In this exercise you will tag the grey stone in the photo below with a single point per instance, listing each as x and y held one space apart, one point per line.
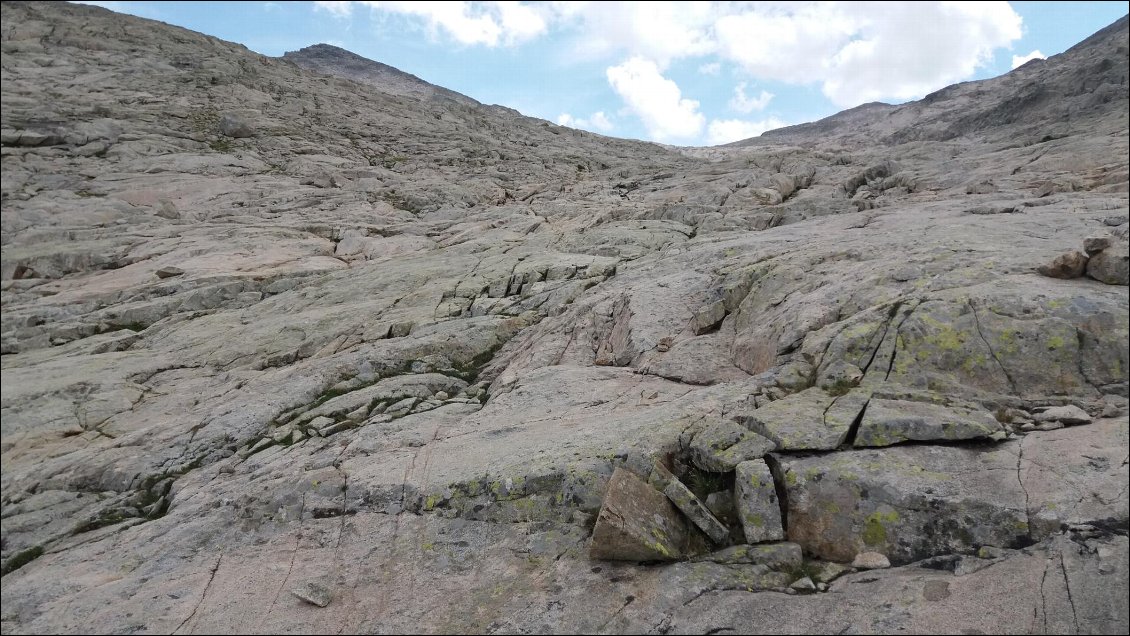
313 592
169 272
1111 266
870 561
887 422
236 125
804 584
722 445
708 317
798 422
1094 244
758 507
1068 414
696 511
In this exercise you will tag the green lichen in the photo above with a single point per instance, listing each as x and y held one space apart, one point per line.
874 532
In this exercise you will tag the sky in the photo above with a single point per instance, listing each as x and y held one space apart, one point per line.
685 73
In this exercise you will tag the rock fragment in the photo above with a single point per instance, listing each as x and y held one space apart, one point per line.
758 507
1067 265
1068 414
313 592
870 561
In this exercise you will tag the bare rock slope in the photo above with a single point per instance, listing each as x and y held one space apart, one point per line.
307 344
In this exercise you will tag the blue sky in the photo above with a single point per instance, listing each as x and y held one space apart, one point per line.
682 73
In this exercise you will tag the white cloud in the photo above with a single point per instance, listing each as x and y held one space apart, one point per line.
1021 60
336 9
742 103
724 131
486 23
598 122
710 68
656 100
856 52
862 52
659 31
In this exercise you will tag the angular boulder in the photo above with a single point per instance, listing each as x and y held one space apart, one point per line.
721 446
637 523
907 502
1111 266
799 422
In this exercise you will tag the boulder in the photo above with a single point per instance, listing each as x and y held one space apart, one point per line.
313 592
1111 266
236 125
691 506
1067 265
723 445
637 523
908 502
870 561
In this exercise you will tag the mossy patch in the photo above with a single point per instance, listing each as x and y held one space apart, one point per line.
20 559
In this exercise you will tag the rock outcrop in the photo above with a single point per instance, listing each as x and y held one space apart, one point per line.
308 344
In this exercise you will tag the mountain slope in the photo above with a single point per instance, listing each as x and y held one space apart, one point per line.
270 330
331 60
1083 89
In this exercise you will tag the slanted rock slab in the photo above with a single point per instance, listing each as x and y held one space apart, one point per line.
758 506
637 523
797 422
696 511
887 422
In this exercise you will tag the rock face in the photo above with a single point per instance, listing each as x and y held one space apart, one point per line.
312 319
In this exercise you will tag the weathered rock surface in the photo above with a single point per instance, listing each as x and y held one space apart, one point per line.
637 523
721 446
913 502
1111 266
758 507
887 422
414 337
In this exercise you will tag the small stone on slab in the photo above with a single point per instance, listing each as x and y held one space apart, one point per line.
313 592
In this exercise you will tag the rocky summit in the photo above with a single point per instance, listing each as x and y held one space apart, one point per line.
306 344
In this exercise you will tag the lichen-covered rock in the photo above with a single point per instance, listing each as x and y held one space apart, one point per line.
886 422
758 507
313 592
783 556
722 445
906 502
797 422
637 523
691 506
